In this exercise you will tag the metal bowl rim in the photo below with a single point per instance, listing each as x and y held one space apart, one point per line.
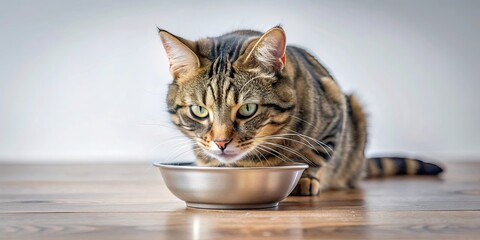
185 166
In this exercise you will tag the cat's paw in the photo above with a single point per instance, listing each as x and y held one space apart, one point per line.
307 186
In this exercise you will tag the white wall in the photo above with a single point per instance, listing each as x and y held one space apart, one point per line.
80 80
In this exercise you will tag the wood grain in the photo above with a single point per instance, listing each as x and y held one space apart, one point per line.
132 202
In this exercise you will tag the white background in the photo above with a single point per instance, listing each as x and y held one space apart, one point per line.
82 80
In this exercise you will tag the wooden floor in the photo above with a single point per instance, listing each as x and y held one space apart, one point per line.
131 202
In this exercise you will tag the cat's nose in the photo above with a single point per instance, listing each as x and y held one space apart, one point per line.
222 144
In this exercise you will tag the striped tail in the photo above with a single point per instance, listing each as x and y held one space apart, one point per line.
394 166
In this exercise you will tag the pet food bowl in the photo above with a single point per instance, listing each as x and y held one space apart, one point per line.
231 187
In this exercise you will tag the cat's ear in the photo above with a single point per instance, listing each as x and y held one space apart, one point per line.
269 49
180 54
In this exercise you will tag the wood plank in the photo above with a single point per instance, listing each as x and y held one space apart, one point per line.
131 201
193 224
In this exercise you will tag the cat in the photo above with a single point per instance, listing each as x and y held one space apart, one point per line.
249 100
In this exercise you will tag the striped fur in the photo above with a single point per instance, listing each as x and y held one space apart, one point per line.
302 113
392 166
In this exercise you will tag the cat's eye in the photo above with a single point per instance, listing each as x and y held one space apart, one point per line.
247 110
198 111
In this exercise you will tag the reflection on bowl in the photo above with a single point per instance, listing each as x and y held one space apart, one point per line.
231 187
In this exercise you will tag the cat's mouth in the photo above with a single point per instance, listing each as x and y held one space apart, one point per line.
225 154
228 157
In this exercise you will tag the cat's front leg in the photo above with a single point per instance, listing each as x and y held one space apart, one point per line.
309 184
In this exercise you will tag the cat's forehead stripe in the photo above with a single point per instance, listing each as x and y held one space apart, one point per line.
228 45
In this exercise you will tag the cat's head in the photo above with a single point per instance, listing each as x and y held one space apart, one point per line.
230 93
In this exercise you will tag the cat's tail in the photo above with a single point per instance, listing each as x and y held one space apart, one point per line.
394 166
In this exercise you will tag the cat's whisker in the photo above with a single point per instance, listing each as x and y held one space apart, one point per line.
255 155
171 126
279 155
270 150
300 135
313 139
262 163
289 139
296 153
199 150
267 151
181 144
181 148
318 142
203 143
156 124
304 137
261 154
306 140
176 138
256 152
180 141
172 159
289 135
259 157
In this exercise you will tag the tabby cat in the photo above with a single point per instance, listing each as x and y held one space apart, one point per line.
248 99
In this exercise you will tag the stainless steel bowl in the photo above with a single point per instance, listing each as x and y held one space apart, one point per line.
231 187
